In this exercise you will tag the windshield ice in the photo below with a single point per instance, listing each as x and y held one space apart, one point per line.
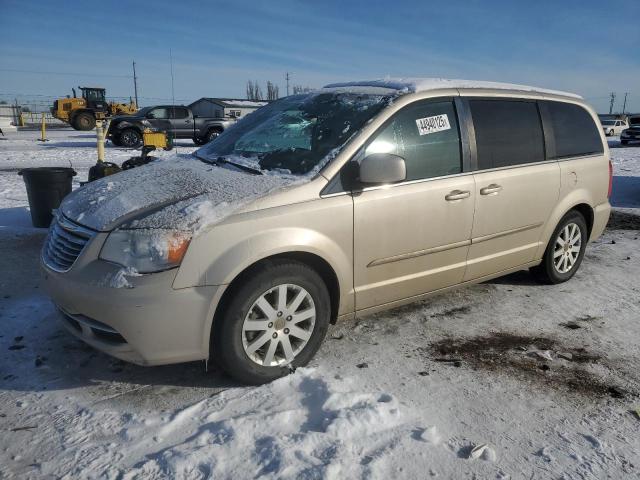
296 134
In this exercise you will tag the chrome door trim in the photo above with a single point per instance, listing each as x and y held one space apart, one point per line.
418 253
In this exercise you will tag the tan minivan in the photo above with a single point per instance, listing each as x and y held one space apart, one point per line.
345 201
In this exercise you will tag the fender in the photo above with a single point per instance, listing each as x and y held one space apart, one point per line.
573 198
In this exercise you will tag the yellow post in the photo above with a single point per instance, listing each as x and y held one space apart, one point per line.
43 130
100 138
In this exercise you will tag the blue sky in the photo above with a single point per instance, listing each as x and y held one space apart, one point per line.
588 47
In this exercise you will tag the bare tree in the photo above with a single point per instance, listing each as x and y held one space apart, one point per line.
298 89
272 91
254 92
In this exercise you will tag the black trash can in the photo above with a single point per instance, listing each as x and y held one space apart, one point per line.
46 187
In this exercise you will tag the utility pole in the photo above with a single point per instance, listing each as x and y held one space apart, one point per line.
287 77
173 97
624 105
613 99
135 84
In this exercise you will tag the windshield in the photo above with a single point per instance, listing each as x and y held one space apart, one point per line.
294 134
635 121
143 111
608 123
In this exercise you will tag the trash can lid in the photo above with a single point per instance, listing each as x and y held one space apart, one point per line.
48 171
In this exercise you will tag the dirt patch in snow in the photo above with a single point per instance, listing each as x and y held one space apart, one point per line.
536 359
621 220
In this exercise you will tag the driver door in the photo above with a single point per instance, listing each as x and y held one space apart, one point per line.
413 237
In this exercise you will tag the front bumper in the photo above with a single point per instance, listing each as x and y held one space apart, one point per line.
150 323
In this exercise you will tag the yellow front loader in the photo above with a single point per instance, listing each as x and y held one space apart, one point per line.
81 112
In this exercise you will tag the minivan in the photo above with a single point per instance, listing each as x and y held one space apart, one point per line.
342 202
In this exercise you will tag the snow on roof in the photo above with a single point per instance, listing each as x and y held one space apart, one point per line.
233 102
411 85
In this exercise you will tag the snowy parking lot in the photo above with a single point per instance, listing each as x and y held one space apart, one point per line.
507 379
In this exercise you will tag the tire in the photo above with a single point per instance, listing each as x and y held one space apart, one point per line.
130 138
624 142
212 135
242 352
199 140
84 121
560 263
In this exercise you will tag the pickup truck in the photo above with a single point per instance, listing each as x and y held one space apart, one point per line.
126 130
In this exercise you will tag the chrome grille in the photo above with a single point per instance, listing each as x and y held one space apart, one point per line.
64 243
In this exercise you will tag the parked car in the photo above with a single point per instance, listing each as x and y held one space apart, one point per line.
126 130
324 206
613 127
631 134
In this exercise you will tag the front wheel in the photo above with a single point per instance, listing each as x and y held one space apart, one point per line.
275 321
565 250
199 140
84 121
130 138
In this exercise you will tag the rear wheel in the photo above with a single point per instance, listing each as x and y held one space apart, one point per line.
130 138
275 320
115 139
213 134
84 121
565 250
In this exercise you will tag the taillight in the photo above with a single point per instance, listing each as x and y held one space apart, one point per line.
610 179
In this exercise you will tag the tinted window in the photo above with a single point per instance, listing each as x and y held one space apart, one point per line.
574 130
179 112
426 136
508 132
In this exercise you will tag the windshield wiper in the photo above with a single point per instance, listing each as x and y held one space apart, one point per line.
246 168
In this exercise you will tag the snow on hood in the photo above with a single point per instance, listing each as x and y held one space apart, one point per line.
411 85
173 193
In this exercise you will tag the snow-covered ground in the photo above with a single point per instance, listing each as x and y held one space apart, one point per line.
507 379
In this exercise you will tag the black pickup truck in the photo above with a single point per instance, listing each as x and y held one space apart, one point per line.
126 130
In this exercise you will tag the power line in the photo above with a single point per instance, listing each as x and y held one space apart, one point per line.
37 72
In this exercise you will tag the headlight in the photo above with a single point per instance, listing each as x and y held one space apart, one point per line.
146 250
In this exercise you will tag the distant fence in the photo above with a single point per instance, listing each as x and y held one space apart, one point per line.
35 118
15 115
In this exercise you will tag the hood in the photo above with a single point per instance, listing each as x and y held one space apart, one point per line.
174 193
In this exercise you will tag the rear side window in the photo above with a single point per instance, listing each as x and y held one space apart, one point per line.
426 135
178 112
574 130
508 132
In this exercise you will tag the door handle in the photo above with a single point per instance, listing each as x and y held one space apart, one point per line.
491 189
457 195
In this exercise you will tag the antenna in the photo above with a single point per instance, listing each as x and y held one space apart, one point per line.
287 77
135 84
173 97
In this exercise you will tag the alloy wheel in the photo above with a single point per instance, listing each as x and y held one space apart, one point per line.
278 325
567 248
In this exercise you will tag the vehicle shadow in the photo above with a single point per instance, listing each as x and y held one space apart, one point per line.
625 192
520 278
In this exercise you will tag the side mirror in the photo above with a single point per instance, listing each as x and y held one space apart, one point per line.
382 168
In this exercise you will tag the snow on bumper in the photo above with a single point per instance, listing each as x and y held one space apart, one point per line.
148 324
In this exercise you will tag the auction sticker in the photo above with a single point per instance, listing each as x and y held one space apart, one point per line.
433 124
